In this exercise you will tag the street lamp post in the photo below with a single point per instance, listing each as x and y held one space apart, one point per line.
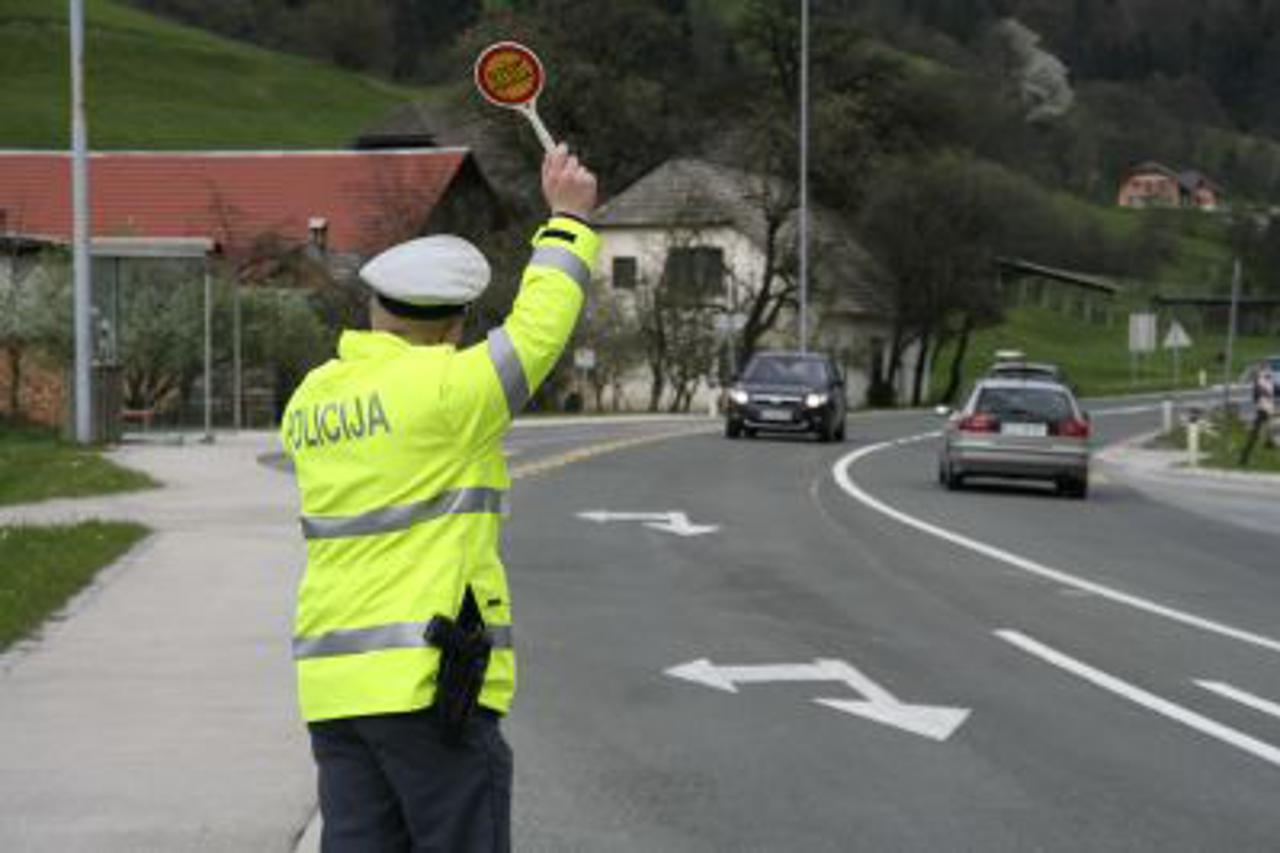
80 227
803 236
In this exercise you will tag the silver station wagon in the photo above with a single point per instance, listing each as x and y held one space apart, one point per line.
1020 429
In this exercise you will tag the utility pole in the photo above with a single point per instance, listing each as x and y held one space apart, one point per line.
804 176
80 229
1231 345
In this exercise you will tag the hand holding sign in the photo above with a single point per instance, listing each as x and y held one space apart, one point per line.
567 185
510 75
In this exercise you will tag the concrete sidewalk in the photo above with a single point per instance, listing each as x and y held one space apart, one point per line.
1244 499
161 717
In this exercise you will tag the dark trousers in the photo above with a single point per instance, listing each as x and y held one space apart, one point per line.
1261 425
390 783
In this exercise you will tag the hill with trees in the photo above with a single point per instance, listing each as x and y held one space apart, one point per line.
1017 118
153 84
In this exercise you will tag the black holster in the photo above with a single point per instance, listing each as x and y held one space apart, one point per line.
464 655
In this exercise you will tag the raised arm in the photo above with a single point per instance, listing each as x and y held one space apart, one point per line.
522 351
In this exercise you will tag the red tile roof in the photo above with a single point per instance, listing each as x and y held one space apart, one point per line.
369 198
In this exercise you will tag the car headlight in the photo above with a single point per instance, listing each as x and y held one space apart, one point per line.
813 401
739 396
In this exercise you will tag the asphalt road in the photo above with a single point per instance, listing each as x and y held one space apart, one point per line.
1074 634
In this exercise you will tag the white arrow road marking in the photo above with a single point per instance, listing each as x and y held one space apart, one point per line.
1257 703
932 721
669 522
1212 728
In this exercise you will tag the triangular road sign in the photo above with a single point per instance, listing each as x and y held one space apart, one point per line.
1176 337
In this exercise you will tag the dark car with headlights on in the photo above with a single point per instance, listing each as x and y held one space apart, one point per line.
788 392
1017 428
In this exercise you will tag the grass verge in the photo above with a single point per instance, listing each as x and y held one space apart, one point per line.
1096 357
42 567
35 466
1225 455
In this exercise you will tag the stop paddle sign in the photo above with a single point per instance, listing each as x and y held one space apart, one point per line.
510 75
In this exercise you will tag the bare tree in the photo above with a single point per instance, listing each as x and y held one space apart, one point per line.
611 329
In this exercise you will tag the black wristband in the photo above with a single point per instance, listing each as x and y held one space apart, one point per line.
575 217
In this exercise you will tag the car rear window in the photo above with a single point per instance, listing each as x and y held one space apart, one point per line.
1026 370
786 371
1028 404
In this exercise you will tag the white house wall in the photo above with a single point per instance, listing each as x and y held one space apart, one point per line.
846 338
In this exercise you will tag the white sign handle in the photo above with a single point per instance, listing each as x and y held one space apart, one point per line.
530 111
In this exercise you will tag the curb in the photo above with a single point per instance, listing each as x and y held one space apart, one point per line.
1170 468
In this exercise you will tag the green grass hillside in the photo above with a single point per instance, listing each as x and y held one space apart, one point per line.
156 85
1096 357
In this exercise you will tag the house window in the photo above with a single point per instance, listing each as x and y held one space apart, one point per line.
624 273
696 273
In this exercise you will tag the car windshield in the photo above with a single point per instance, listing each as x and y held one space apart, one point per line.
786 370
1037 404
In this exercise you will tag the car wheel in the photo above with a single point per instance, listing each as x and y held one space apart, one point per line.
840 430
749 432
1074 487
732 430
952 480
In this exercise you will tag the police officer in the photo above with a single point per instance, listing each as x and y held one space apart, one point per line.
397 445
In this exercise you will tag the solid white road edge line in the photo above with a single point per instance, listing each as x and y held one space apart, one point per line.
1235 694
1203 724
840 470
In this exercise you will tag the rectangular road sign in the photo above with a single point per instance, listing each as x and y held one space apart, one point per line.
1142 332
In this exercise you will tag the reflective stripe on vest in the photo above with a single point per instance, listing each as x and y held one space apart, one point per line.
398 635
565 261
477 499
510 371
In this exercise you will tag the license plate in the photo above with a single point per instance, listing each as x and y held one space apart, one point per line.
775 415
1028 430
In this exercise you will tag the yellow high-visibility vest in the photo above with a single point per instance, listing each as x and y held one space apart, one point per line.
403 483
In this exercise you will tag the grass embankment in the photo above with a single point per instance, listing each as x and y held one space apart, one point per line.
1217 453
152 84
42 567
35 466
1096 357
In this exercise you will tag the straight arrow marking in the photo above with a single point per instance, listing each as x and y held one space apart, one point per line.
672 521
1257 703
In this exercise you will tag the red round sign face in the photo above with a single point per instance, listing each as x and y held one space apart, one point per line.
509 74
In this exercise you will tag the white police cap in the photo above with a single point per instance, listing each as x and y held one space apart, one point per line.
436 271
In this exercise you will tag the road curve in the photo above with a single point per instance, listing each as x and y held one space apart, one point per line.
1093 724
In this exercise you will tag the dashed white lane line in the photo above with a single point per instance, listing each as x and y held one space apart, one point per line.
1235 694
841 471
1199 722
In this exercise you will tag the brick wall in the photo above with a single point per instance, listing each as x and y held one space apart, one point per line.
42 393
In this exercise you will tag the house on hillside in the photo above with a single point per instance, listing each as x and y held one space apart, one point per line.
251 214
705 230
1153 184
